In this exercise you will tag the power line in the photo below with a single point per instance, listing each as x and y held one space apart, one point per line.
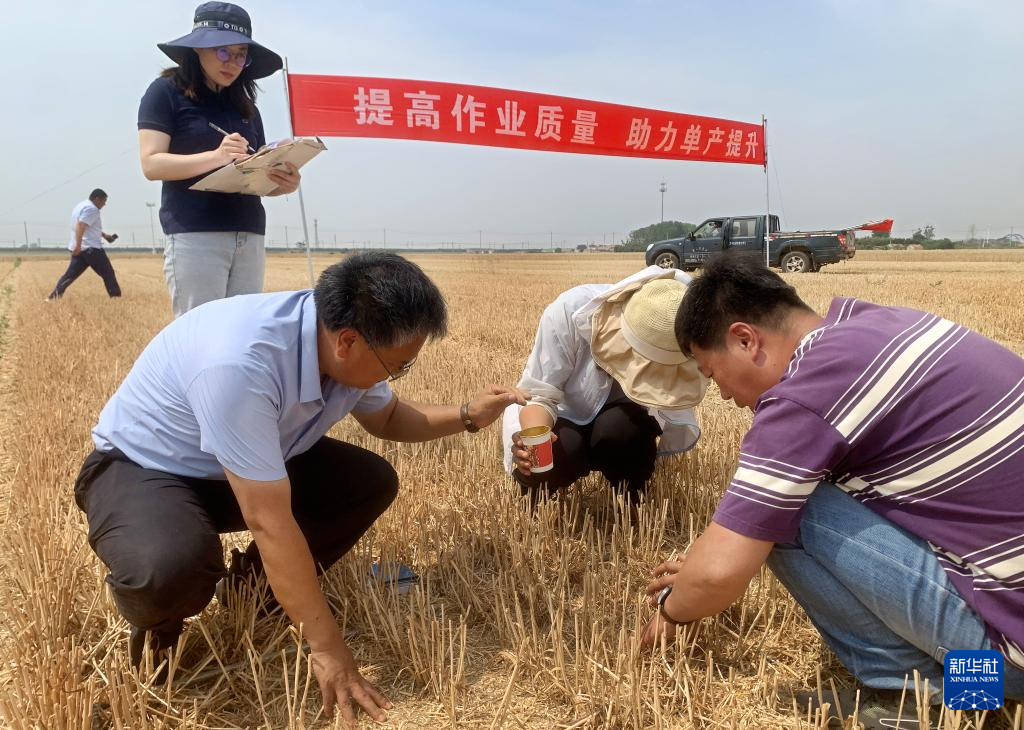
69 180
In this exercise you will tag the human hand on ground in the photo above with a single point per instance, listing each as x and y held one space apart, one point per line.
656 630
342 686
664 576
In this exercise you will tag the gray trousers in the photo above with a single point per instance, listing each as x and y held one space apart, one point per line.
204 266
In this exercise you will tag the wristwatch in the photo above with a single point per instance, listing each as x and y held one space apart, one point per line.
662 597
466 420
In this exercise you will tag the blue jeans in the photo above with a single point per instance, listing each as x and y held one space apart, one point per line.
878 595
204 266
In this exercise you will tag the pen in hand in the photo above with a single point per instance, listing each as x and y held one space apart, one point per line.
215 128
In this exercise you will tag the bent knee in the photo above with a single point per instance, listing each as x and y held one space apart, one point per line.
383 475
158 582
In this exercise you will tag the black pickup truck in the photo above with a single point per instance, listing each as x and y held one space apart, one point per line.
794 252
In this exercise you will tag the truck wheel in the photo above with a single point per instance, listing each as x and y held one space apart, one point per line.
796 262
667 260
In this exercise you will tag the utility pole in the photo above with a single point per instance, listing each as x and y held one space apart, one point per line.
152 228
662 188
25 223
480 239
316 232
286 238
385 238
551 239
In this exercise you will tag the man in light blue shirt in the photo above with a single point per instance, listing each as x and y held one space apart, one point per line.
86 246
220 426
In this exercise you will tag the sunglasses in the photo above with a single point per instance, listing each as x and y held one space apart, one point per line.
242 59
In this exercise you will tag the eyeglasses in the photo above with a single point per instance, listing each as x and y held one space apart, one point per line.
242 59
402 371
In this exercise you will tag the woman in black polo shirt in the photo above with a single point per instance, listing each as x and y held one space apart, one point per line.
214 240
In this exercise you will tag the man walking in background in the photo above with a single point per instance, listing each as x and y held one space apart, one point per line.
86 246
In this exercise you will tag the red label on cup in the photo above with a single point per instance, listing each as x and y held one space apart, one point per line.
541 455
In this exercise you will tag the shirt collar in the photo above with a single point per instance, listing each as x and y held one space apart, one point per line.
831 317
836 310
309 361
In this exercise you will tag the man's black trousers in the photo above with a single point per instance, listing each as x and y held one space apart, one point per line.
158 533
98 261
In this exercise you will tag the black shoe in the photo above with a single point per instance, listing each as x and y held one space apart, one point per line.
245 580
160 644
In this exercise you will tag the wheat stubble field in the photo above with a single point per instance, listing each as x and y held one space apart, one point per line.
520 621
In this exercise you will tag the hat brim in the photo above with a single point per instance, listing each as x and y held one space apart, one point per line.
264 61
649 383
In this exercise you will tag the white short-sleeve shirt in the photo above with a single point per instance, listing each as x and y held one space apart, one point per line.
86 212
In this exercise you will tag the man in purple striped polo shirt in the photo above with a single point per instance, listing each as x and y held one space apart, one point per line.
882 479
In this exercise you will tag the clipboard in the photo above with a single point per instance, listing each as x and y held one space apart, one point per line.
249 176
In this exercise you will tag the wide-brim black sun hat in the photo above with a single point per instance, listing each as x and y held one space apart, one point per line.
223 24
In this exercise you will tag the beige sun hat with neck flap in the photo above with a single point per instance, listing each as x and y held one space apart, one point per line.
633 340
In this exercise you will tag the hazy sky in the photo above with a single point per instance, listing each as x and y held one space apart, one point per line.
901 108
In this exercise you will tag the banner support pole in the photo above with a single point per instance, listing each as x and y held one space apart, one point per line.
767 198
764 134
302 202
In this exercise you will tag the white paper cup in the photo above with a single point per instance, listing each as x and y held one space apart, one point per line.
537 441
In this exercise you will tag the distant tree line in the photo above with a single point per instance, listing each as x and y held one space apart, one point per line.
925 237
640 238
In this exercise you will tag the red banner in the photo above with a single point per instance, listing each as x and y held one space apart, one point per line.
432 111
884 225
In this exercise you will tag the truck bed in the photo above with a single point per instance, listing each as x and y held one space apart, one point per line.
807 234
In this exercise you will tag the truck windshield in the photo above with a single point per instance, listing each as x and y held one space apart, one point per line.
711 229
